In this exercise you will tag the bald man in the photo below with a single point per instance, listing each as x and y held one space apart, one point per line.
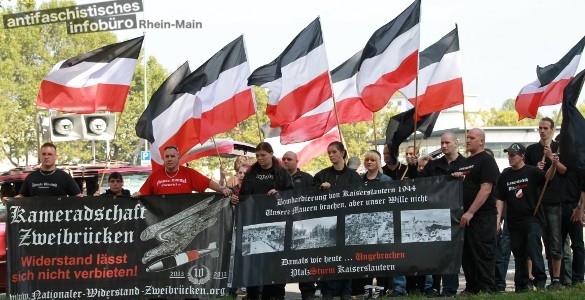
300 179
480 174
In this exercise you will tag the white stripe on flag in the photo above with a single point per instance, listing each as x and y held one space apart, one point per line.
386 62
118 71
297 74
229 83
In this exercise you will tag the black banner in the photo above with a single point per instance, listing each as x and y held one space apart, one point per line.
408 227
172 246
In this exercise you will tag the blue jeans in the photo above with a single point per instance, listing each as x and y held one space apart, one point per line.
526 244
575 231
399 284
502 257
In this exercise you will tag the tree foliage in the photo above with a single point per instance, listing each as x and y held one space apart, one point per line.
506 116
27 54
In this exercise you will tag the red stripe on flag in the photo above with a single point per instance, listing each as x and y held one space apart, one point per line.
300 100
223 116
352 110
316 147
554 92
84 100
527 105
439 97
185 138
376 95
307 128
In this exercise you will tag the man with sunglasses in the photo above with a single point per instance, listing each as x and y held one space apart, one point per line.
176 179
48 180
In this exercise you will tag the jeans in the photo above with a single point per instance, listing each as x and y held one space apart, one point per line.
567 263
502 257
399 284
525 242
575 231
552 233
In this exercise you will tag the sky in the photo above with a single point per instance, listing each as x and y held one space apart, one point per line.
501 41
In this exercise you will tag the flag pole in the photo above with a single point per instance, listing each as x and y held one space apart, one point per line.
415 112
464 124
258 126
337 119
108 156
217 149
374 122
145 87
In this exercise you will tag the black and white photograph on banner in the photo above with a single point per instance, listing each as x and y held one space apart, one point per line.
431 225
263 238
314 233
369 228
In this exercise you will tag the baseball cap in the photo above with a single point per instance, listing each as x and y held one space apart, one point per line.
516 148
353 163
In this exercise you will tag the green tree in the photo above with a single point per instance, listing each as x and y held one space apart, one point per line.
506 116
26 56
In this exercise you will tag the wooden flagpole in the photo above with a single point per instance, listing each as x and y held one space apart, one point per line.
258 126
337 120
374 122
415 113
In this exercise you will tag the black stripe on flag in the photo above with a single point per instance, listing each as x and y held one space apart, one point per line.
434 53
572 145
160 101
547 74
401 126
106 54
229 57
386 34
347 69
307 40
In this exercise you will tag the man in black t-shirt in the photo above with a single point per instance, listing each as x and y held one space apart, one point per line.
517 187
48 180
541 155
480 173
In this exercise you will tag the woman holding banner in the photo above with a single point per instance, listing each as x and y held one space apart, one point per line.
336 175
266 176
373 164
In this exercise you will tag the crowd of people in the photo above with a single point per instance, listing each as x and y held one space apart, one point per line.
536 201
